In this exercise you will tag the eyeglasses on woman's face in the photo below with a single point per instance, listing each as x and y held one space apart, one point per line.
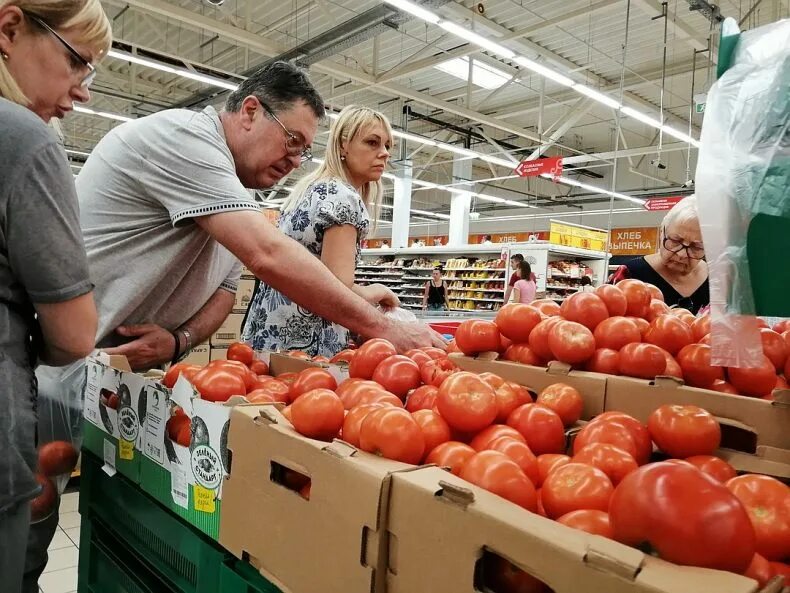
676 245
79 64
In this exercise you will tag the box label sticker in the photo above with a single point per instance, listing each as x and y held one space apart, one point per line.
109 458
206 467
204 499
128 424
126 450
156 423
179 487
92 387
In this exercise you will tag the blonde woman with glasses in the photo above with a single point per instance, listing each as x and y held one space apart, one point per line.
329 212
48 49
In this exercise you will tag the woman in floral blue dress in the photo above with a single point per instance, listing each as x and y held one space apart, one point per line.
327 212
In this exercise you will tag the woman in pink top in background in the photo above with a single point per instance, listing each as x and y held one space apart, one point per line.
524 290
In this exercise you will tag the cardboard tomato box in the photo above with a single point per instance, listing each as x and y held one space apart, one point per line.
333 542
440 527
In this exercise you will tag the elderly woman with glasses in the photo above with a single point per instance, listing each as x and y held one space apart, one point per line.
47 311
678 269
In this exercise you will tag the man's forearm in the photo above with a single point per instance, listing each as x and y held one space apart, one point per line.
210 316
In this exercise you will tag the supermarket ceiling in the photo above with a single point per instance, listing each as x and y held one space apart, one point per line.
580 79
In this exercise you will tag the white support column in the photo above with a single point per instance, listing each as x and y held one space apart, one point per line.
460 205
402 206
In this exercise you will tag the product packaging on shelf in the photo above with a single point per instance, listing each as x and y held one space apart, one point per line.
441 528
229 332
243 295
333 542
199 355
116 406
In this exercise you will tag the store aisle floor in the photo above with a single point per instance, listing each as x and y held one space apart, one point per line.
60 575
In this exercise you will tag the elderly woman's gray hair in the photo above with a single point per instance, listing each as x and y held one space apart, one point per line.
682 212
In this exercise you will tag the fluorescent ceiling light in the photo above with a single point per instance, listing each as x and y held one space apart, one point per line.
185 72
415 9
88 111
477 39
483 75
680 135
643 117
600 97
76 152
434 214
543 71
414 138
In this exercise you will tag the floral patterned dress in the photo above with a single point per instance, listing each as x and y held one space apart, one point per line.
273 321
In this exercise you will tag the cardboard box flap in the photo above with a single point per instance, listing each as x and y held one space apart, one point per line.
668 381
455 493
340 449
767 460
559 368
781 398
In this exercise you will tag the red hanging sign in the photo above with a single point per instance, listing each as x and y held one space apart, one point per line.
657 204
549 166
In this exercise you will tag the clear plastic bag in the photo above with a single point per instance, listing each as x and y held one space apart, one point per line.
400 314
743 191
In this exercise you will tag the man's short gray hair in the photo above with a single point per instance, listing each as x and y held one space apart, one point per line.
682 212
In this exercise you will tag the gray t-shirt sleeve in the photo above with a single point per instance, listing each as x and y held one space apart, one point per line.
188 168
231 283
45 247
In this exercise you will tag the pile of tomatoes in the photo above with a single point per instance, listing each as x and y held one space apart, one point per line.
625 329
55 458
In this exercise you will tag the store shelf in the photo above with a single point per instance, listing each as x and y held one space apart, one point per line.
457 298
374 267
476 290
478 279
556 287
426 278
474 269
410 296
398 274
378 280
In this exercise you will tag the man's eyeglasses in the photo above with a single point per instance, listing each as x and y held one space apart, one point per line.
293 145
77 61
675 246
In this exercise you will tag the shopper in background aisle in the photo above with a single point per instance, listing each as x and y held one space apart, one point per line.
47 52
329 213
678 269
526 287
515 260
435 296
586 284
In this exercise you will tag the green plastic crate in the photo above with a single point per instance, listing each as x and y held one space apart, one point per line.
94 439
239 577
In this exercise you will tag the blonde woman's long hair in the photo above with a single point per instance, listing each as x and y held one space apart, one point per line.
351 121
85 18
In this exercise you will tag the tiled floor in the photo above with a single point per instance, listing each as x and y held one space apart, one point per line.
60 576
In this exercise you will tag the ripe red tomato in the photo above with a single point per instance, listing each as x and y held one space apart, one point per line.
172 374
644 361
422 398
637 295
418 356
451 454
713 466
539 338
767 501
571 342
519 452
634 439
259 367
614 298
522 353
485 437
241 369
517 320
345 356
655 292
669 333
782 326
573 487
760 570
351 390
673 368
467 402
241 352
435 371
498 473
380 397
287 378
604 360
540 426
701 327
392 433
477 335
435 430
261 396
782 569
502 576
642 324
781 383
775 348
493 380
586 308
613 461
318 414
547 307
684 431
563 399
300 354
353 422
589 520
657 309
723 387
694 360
56 458
616 332
398 374
510 396
43 504
684 315
368 357
687 517
434 352
755 382
175 424
218 384
310 379
547 463
184 436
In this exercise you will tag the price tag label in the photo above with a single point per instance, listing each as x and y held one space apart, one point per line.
109 458
204 499
179 488
127 450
